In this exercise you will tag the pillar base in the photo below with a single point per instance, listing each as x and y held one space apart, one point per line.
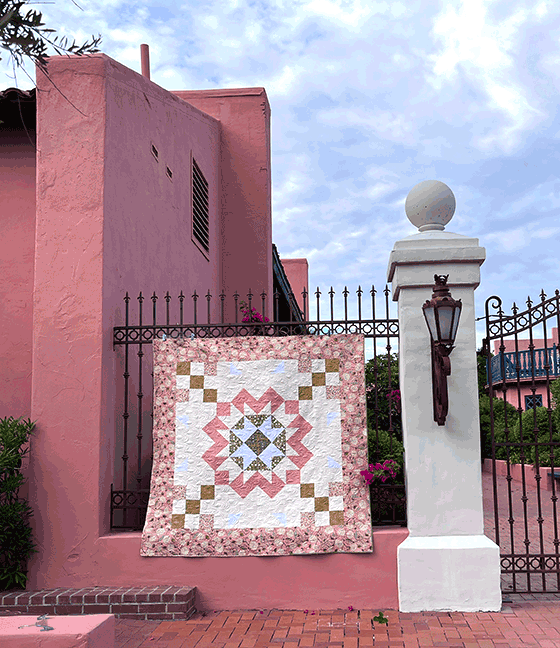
449 574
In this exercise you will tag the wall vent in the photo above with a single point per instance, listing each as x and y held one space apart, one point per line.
169 173
155 152
200 207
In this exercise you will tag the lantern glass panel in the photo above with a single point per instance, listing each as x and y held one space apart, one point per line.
431 321
456 322
445 315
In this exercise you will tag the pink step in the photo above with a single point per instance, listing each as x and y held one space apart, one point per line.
80 631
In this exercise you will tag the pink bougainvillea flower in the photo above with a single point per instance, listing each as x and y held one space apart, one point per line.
380 471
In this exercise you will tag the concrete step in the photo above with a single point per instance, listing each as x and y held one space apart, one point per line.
91 631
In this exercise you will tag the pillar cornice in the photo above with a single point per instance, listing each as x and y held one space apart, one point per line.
413 259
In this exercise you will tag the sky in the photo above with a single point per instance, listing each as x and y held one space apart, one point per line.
368 99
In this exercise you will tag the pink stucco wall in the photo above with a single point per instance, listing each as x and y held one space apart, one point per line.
522 473
330 581
17 253
108 219
518 400
244 114
297 271
523 344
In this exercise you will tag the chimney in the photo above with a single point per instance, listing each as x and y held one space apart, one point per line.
145 60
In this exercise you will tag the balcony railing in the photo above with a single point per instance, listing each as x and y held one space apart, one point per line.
528 362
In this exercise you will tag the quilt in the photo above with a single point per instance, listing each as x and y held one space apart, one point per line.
258 445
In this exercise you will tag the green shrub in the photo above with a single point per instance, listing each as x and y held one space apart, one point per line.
500 408
382 513
378 389
539 418
16 545
383 398
555 398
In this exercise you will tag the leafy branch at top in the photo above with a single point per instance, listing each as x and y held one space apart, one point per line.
22 35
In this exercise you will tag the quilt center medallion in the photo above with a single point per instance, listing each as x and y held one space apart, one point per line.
252 452
257 442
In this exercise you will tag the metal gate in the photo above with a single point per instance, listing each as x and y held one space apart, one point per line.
523 371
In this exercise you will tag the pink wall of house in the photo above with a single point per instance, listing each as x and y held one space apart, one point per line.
109 219
17 253
518 400
244 114
523 345
297 271
328 581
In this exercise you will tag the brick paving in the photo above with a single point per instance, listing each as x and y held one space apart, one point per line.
525 621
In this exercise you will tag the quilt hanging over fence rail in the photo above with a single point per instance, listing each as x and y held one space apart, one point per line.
258 447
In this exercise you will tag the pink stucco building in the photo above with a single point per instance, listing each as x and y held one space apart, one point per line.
107 193
109 183
532 367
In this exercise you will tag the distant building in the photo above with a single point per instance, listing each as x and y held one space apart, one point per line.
532 366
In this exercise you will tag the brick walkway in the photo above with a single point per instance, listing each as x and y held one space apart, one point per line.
541 537
525 621
520 624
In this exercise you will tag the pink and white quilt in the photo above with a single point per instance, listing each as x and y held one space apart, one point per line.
258 446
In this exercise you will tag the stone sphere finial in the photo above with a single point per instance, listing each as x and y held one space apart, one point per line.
430 205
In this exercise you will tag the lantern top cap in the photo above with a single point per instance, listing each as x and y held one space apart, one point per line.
441 289
430 205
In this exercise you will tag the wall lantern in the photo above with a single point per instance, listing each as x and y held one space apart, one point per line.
442 314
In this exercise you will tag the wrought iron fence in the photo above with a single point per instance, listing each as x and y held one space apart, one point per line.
388 501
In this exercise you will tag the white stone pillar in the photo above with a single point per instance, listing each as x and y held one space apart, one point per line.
446 563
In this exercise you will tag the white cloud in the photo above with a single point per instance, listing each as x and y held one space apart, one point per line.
284 83
350 15
387 125
512 240
210 22
485 52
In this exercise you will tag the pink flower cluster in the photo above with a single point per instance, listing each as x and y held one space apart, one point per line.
394 395
251 315
394 398
380 470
